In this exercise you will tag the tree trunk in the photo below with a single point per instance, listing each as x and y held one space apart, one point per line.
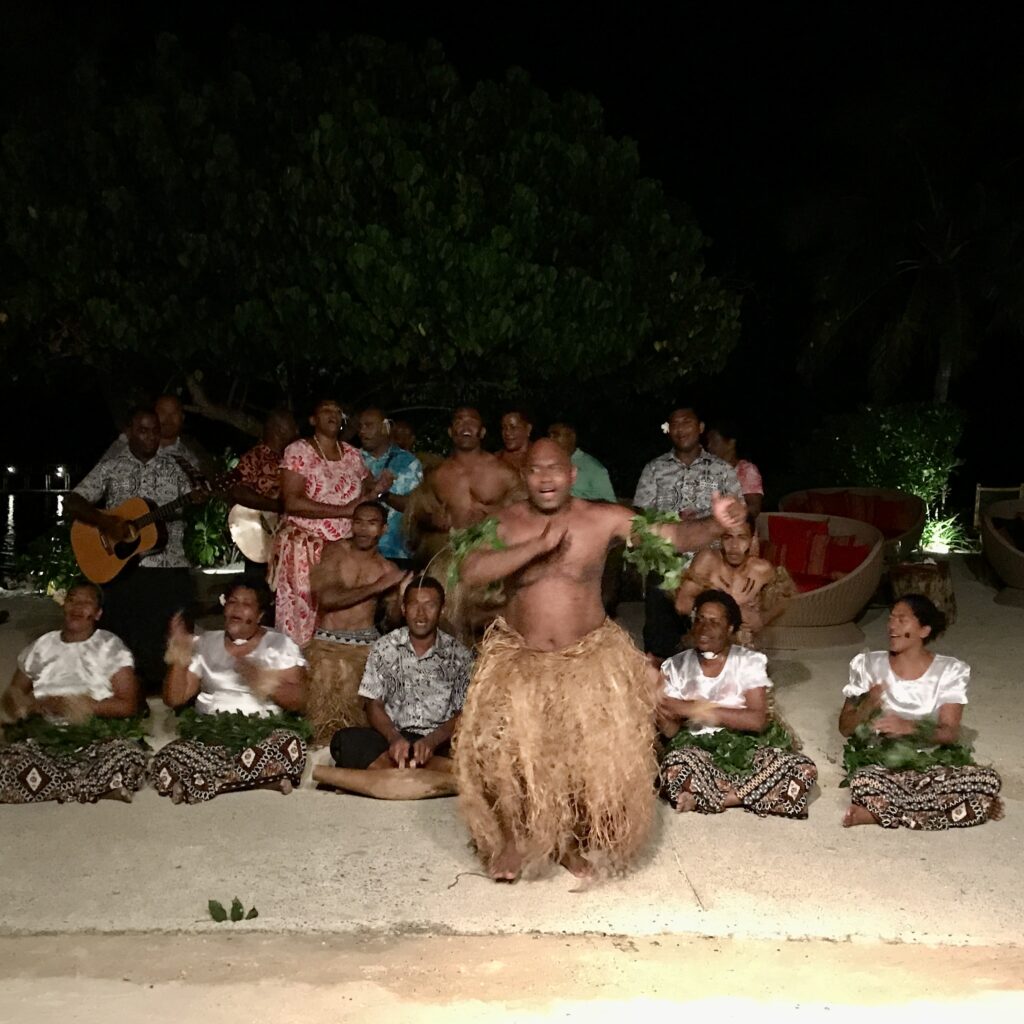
202 405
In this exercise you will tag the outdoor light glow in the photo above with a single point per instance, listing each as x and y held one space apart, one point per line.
60 471
11 469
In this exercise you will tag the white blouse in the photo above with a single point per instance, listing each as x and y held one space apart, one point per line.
744 670
944 682
82 667
222 687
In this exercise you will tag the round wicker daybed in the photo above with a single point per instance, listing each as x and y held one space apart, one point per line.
1005 559
824 616
898 515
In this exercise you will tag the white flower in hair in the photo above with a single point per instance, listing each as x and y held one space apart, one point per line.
664 427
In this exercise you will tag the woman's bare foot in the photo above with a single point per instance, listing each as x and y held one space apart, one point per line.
685 802
507 865
285 785
177 793
576 864
857 815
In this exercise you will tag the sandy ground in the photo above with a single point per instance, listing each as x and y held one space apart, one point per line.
523 978
344 885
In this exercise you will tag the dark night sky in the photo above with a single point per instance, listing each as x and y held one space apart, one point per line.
741 109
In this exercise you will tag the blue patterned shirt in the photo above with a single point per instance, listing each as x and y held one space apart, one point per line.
408 476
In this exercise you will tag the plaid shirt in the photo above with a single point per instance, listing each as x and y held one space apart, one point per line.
672 486
419 694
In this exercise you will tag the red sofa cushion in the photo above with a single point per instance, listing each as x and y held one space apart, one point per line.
862 507
841 559
793 539
829 503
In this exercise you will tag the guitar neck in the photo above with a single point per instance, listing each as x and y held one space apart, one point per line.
164 512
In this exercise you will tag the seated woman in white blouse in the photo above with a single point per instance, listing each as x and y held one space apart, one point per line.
73 675
719 686
245 671
895 692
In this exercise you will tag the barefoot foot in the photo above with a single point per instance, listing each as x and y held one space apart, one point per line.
576 864
685 802
857 815
507 865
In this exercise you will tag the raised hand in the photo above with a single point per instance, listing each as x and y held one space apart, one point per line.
729 512
385 480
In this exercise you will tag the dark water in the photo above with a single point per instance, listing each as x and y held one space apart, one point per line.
26 517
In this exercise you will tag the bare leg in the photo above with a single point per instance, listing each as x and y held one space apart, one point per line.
389 783
857 815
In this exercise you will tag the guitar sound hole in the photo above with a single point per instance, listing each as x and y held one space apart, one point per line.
126 548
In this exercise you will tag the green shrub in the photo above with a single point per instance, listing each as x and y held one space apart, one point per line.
907 447
47 565
207 541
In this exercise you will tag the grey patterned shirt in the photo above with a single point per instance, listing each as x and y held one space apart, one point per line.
419 694
118 477
672 486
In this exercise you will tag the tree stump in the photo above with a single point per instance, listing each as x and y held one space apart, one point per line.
932 579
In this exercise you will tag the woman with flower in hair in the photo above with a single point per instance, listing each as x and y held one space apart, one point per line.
905 764
248 682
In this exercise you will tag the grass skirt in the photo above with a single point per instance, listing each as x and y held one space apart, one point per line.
555 749
332 695
201 771
31 773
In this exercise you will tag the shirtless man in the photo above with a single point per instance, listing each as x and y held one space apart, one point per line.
535 785
348 583
756 585
470 484
516 428
468 487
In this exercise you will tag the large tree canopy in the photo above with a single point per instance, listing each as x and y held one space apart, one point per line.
350 212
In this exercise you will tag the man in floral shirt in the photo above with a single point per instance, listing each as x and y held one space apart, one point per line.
379 454
682 481
140 601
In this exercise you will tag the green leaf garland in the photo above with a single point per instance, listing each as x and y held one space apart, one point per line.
917 752
649 552
732 751
463 542
67 739
235 730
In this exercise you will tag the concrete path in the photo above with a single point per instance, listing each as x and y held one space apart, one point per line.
323 862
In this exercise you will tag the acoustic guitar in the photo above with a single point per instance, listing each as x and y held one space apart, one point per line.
101 559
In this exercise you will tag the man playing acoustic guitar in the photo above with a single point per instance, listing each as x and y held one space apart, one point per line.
140 601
